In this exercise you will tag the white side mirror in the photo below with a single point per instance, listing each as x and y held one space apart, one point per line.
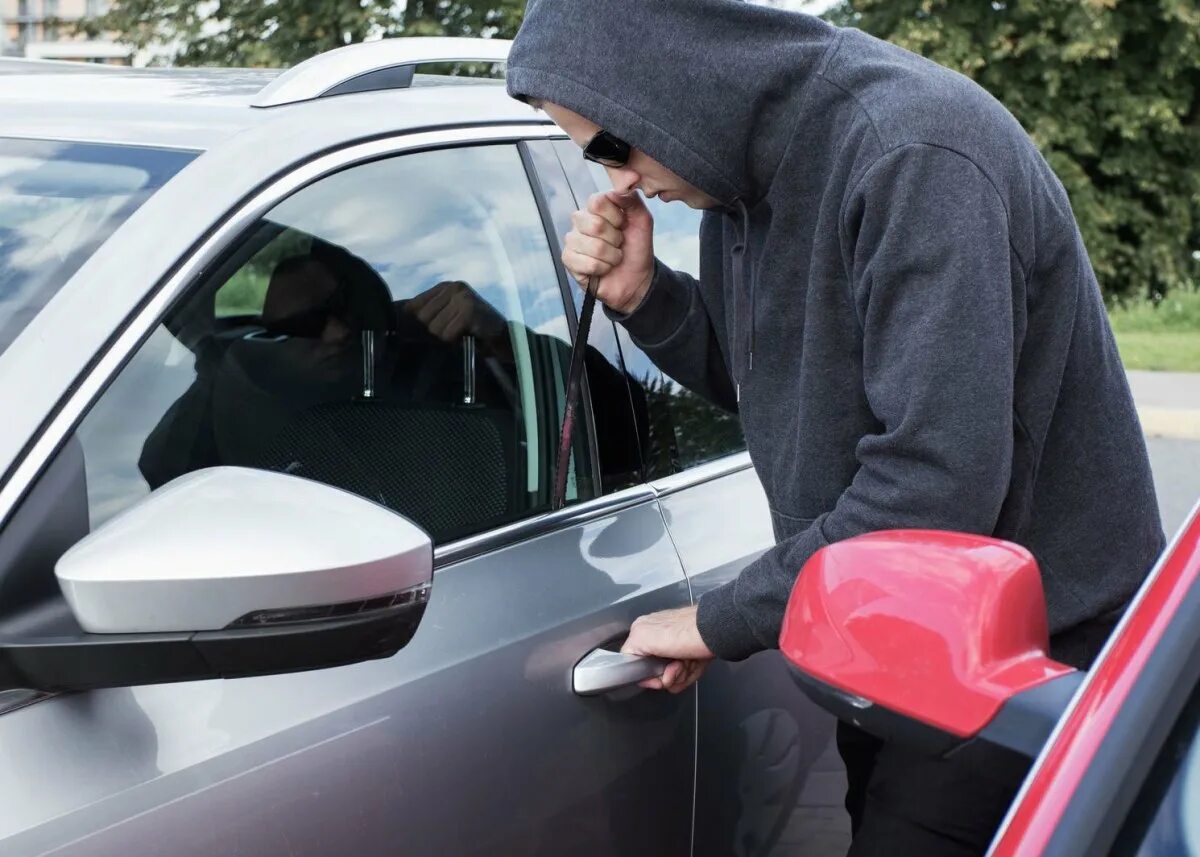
229 548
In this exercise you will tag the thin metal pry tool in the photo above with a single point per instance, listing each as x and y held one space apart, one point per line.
574 381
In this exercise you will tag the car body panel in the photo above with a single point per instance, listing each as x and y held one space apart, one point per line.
768 772
199 109
192 109
363 758
478 706
1053 785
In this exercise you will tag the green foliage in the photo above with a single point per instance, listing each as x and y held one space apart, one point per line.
254 33
1161 351
245 292
1162 334
1179 312
1110 92
703 431
685 429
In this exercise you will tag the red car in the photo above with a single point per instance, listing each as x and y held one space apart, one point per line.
940 639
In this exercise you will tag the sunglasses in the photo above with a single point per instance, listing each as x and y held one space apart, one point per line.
310 323
607 150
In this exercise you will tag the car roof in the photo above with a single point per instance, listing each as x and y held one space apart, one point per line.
198 108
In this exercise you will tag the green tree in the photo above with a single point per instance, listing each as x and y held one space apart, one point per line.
1110 92
498 18
257 33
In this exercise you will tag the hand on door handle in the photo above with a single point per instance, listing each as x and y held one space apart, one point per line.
603 670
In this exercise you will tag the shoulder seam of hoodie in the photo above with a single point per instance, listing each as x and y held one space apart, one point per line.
886 150
639 116
861 109
912 144
831 53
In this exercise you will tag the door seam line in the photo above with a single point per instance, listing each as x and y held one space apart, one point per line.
696 698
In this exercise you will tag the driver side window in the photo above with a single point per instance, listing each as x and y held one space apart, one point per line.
395 329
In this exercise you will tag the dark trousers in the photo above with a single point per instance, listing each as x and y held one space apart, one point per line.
902 802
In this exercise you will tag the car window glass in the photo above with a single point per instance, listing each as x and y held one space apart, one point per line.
681 428
396 329
1164 820
1189 800
244 292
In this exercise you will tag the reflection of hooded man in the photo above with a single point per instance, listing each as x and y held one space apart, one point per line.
894 297
247 388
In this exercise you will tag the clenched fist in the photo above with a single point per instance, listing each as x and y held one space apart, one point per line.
452 309
613 240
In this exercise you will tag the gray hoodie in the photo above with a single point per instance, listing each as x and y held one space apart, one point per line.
895 296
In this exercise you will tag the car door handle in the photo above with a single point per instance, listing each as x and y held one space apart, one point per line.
603 670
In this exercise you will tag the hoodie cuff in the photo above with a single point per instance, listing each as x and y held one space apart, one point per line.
662 311
722 627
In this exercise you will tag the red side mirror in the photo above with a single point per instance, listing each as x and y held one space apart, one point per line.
930 637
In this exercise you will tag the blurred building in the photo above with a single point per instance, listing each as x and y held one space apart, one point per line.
47 29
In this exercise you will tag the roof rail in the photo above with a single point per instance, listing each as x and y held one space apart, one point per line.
386 64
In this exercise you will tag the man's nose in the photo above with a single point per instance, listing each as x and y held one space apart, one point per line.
623 178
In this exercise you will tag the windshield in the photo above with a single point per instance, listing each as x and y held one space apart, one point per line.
59 202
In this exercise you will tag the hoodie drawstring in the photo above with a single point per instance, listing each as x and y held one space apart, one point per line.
740 257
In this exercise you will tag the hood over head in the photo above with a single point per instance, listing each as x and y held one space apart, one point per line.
708 88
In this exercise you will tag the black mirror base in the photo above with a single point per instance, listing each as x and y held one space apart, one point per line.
1020 727
48 651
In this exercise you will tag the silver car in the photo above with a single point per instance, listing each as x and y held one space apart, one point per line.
282 361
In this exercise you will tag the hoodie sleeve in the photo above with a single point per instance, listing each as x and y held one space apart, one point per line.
931 274
675 326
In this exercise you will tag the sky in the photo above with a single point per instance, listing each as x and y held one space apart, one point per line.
816 7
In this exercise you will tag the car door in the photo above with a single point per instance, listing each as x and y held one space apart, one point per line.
1120 772
769 778
395 328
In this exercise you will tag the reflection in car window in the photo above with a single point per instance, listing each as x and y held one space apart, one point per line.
680 428
396 329
1189 801
58 203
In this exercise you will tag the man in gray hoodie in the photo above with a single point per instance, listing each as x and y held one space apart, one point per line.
895 299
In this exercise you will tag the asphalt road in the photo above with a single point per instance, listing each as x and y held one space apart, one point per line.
1176 465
